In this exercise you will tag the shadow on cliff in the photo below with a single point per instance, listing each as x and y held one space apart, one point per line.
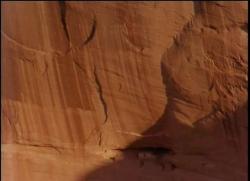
167 137
170 137
131 166
154 140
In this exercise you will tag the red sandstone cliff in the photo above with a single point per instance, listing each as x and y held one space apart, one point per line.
88 87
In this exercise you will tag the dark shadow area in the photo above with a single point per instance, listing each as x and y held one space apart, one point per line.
141 162
155 144
160 155
198 7
171 150
244 27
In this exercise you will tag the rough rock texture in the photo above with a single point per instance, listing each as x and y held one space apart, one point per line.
124 91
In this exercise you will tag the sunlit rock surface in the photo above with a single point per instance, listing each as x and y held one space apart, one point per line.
124 91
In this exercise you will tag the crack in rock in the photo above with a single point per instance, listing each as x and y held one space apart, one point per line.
25 47
27 60
79 66
92 33
62 5
34 64
42 146
100 91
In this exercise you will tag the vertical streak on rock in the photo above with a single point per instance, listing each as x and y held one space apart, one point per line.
100 91
198 7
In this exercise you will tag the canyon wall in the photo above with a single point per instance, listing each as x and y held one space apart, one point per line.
88 87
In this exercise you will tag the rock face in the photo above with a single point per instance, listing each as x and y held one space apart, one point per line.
124 91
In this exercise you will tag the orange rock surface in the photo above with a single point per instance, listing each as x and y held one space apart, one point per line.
124 91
